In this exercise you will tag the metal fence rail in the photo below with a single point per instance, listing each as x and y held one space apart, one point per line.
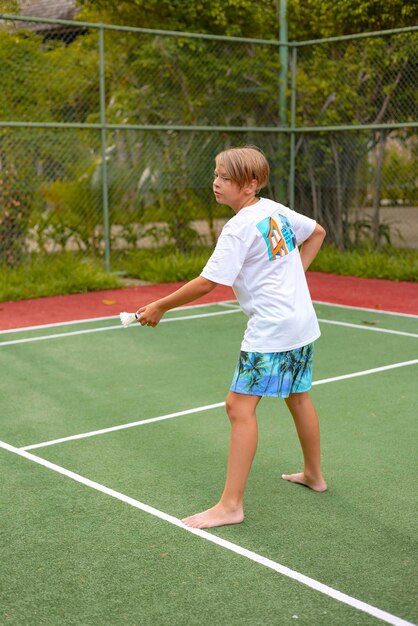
108 134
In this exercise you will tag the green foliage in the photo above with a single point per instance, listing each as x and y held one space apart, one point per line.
165 264
363 82
391 263
184 82
360 233
399 176
308 19
22 58
14 219
64 218
54 275
61 273
48 81
218 17
152 79
315 19
10 6
36 84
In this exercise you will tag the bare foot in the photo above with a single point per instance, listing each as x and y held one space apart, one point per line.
317 485
216 516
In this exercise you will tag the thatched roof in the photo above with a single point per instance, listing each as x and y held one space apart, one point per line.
51 9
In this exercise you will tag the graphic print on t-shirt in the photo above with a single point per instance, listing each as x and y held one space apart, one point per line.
278 234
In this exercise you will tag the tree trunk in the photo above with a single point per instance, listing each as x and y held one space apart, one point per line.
378 190
338 204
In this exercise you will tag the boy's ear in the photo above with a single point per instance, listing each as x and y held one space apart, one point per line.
253 186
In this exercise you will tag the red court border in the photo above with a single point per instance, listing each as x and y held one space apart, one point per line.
371 293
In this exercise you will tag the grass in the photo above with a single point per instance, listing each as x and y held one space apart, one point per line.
390 263
54 275
72 273
162 266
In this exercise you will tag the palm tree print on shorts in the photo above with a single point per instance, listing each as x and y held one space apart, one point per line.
274 373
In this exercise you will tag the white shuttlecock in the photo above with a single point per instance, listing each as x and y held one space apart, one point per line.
127 318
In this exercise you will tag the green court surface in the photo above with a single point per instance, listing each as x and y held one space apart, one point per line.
94 485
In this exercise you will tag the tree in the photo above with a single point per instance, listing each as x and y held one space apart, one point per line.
10 6
152 79
307 19
364 82
241 18
316 19
57 83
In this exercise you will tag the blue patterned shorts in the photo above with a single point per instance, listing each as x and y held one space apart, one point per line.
276 374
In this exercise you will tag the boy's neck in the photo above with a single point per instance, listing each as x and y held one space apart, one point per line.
248 202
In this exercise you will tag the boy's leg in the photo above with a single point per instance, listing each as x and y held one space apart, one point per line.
243 444
307 427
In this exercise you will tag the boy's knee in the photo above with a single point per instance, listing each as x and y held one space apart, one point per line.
298 399
240 408
234 409
231 409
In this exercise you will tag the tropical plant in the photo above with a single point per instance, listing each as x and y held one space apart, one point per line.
150 79
14 219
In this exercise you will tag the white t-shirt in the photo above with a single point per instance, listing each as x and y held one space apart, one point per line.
257 255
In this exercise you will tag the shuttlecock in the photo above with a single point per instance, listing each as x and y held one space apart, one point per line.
127 318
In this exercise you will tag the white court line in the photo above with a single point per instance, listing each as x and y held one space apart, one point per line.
228 545
106 317
118 327
112 429
185 318
362 308
366 327
366 372
225 303
230 304
203 408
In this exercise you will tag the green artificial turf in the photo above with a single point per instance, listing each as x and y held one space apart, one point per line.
72 555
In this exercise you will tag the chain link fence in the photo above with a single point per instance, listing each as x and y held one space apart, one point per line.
360 179
108 135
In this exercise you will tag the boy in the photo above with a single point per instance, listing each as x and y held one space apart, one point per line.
257 254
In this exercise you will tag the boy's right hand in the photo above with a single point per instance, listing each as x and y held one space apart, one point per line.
150 314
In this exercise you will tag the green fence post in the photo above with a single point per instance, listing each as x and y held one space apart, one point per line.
283 63
105 190
293 130
283 55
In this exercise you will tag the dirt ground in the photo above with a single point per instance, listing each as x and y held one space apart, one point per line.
403 222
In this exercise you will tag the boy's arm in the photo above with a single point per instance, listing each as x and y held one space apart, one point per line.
311 246
150 314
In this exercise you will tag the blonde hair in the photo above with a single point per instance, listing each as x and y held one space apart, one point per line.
242 165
